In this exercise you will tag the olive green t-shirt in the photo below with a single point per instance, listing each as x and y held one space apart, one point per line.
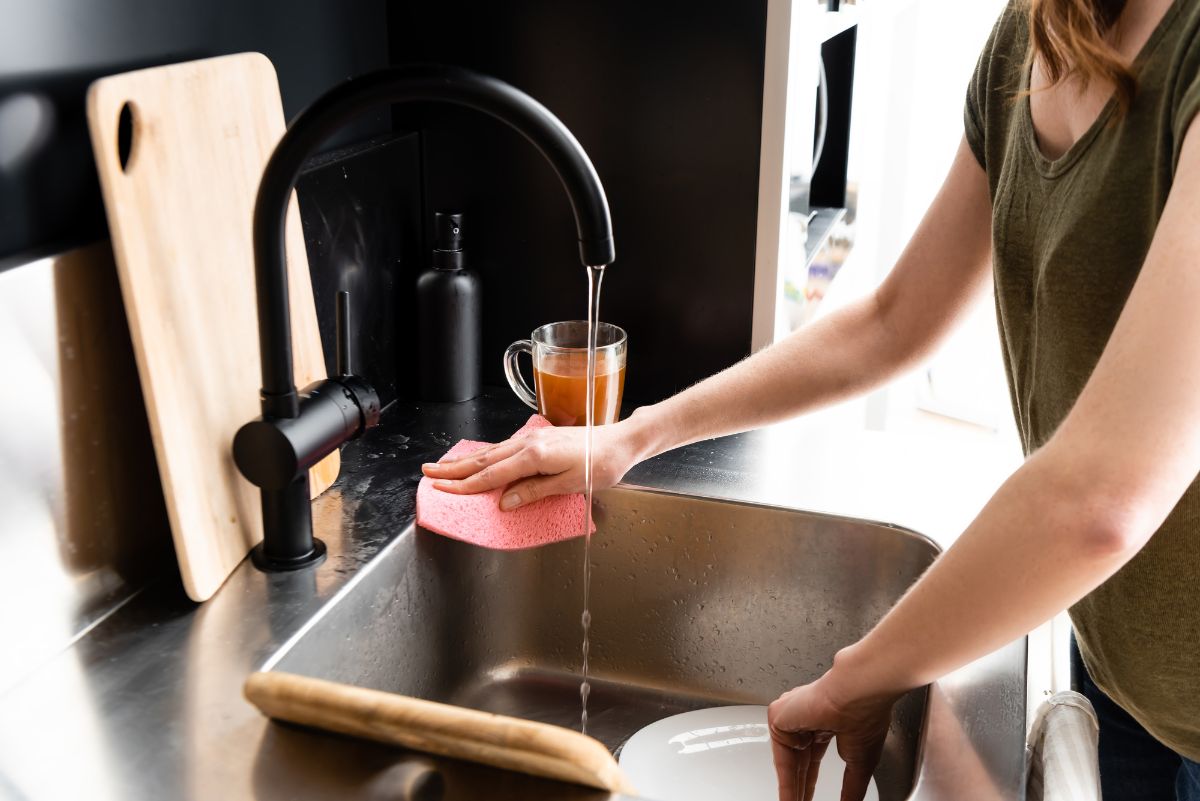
1069 238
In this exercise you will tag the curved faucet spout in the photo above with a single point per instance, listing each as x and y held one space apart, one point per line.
391 86
296 431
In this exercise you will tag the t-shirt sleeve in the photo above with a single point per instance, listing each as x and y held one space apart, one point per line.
1186 92
973 124
982 86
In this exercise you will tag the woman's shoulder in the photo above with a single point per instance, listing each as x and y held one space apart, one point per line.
1004 54
1186 35
1189 14
996 81
1178 69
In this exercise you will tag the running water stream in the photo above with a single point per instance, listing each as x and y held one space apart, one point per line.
595 277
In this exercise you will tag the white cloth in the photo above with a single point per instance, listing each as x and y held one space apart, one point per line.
1063 762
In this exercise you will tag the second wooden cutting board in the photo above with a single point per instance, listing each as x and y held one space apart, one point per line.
180 198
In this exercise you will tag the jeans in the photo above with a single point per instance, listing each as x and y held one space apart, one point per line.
1133 765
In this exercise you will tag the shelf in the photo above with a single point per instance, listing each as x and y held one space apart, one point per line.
819 229
808 282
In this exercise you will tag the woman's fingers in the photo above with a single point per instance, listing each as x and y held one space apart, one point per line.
788 719
498 474
804 720
815 753
471 463
792 751
523 493
861 755
462 457
787 766
855 781
532 466
796 740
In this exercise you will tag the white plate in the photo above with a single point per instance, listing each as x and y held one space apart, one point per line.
715 755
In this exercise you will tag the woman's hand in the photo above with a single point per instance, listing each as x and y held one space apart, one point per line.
546 461
802 721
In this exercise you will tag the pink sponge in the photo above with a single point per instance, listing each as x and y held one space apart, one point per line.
477 518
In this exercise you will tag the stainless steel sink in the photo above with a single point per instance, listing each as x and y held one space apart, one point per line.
695 602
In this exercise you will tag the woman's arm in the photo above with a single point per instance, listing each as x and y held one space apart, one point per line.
853 350
943 268
1078 509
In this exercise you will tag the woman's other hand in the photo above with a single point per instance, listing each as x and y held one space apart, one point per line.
802 722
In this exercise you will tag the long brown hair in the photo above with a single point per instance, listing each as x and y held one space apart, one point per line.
1069 36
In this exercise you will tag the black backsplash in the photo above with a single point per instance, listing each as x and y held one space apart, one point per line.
361 210
667 100
665 97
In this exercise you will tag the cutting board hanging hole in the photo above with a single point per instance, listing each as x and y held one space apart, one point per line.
125 137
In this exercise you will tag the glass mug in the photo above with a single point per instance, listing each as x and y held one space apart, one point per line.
559 353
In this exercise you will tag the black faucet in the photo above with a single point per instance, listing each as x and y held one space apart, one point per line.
298 429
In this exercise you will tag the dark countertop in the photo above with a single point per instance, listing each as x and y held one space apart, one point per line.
147 704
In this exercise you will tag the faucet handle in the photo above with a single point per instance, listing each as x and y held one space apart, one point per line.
355 387
345 364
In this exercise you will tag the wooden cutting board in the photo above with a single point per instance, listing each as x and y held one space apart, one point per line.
179 210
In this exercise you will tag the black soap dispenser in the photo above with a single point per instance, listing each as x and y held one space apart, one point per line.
449 315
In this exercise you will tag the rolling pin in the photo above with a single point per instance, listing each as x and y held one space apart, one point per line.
538 749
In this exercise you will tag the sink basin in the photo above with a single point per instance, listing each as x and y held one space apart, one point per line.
695 602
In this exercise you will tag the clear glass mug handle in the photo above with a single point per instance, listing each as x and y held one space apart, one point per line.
513 373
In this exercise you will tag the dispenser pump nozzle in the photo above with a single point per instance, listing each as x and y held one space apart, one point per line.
448 241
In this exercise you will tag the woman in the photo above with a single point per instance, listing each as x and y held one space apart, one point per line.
1077 190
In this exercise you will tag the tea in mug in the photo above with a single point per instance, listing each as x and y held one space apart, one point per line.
560 380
